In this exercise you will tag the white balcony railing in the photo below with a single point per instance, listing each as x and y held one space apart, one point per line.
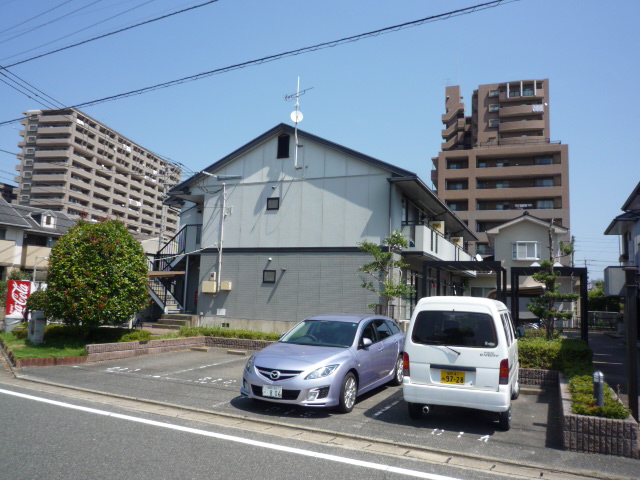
425 239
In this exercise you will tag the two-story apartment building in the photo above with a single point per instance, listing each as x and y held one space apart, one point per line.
270 232
27 235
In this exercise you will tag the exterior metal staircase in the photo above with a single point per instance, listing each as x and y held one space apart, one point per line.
165 267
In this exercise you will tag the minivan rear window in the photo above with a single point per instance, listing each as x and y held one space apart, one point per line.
462 329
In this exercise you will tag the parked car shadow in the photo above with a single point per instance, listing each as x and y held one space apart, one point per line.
393 410
274 410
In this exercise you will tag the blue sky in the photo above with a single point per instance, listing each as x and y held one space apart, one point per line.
382 96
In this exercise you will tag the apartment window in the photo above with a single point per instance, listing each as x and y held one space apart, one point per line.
28 163
31 139
526 251
494 123
33 128
494 93
27 174
25 198
3 233
26 186
544 204
268 276
544 160
527 91
502 184
457 164
451 185
494 107
544 182
483 249
30 151
283 146
273 203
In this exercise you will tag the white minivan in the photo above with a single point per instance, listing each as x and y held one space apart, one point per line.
461 352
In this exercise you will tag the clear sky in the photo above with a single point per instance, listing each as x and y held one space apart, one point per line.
382 96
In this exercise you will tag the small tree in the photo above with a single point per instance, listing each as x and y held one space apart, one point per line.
97 275
383 276
544 307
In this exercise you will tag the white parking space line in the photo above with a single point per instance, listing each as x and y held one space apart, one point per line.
231 438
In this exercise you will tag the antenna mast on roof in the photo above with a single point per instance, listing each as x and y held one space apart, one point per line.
296 116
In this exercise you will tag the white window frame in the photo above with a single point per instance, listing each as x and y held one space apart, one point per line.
494 107
524 247
494 123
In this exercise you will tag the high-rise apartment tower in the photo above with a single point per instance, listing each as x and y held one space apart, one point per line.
501 160
74 164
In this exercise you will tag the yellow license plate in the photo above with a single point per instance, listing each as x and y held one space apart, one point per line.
450 376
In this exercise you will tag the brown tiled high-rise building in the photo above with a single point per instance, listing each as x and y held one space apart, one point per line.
71 163
501 160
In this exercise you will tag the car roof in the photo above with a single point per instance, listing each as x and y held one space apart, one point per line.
346 317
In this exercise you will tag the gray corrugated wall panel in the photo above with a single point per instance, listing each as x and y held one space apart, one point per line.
312 283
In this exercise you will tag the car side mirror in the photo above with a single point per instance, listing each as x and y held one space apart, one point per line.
366 343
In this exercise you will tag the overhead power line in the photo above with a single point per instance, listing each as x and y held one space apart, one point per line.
107 34
290 53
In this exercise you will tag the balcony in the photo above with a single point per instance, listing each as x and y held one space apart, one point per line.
430 243
44 130
45 142
52 154
522 126
453 113
520 110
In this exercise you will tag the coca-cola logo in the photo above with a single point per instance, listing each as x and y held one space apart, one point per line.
17 294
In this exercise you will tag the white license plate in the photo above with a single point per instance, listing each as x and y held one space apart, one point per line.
273 391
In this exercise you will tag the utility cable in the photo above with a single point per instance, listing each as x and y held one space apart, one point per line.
104 35
48 23
36 16
279 56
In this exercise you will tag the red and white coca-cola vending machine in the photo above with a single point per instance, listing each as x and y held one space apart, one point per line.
17 293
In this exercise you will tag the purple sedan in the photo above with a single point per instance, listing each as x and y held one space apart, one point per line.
327 361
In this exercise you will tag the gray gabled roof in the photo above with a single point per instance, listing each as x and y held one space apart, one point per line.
30 218
284 128
10 217
526 216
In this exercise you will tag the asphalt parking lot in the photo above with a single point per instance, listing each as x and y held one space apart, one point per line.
211 381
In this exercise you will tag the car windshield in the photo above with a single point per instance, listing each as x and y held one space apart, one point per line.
324 333
462 329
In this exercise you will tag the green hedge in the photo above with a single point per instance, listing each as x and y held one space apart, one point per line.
584 403
569 355
226 333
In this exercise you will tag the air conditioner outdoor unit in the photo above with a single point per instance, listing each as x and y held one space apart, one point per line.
225 286
457 240
437 226
208 287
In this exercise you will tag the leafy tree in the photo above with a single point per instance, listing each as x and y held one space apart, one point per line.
383 275
598 302
544 307
14 274
97 275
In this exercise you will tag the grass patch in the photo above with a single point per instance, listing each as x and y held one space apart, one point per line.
66 341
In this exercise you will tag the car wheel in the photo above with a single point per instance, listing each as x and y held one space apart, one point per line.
504 420
398 373
348 393
415 410
516 391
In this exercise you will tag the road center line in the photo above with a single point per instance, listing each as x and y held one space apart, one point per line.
231 438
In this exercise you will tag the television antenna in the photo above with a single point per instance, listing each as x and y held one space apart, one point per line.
296 117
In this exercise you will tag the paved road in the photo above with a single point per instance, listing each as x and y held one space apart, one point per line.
209 381
46 436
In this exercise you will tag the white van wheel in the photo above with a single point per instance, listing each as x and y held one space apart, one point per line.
504 420
415 410
516 391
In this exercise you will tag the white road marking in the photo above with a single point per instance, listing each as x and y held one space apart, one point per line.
246 441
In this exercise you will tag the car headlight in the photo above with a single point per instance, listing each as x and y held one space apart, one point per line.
322 372
249 366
